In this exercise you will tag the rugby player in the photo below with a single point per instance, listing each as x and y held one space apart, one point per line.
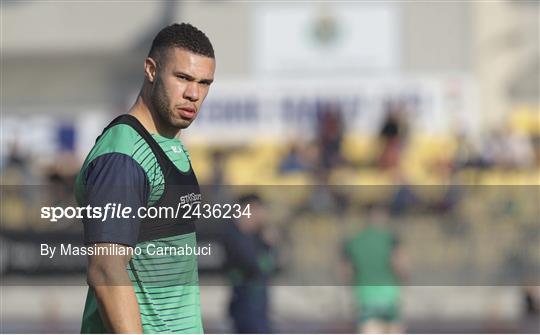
375 263
138 161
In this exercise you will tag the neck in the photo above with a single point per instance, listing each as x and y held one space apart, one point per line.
144 112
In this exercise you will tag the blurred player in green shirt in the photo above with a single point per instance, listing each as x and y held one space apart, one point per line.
374 261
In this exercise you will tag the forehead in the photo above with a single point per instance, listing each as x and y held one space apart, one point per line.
179 59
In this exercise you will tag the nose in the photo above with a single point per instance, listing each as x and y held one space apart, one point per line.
191 92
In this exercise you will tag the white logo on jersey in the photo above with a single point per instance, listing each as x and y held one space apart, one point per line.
176 149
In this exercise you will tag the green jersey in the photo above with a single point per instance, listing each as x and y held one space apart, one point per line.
370 253
123 168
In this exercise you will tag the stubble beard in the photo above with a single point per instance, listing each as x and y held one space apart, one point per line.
161 104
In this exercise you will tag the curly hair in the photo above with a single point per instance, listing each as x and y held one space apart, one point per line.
184 36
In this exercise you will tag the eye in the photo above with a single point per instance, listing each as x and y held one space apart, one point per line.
182 77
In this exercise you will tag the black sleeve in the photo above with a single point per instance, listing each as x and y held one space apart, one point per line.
114 178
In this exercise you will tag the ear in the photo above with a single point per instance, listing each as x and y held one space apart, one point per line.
150 69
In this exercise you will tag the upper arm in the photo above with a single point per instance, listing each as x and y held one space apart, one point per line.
110 180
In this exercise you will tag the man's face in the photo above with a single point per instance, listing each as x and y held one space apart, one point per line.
180 86
257 218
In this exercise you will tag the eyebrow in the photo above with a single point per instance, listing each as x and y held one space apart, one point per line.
191 78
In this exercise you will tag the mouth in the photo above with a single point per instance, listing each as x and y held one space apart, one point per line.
187 112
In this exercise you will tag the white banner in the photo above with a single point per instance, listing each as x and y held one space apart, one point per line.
237 112
307 38
242 112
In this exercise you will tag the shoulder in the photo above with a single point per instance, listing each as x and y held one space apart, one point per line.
120 138
175 151
114 146
112 152
110 173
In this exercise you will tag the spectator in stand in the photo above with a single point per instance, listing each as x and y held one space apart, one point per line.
392 136
16 169
508 149
467 154
330 136
294 160
404 198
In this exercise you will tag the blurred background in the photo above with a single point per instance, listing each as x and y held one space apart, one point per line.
428 111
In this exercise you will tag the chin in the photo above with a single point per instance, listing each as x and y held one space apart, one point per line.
181 124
